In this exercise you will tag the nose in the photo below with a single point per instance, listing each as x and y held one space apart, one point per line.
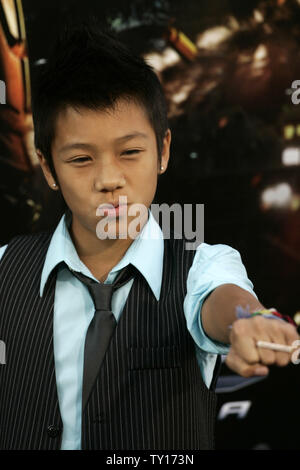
109 176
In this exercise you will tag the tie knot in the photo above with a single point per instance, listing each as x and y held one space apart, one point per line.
102 293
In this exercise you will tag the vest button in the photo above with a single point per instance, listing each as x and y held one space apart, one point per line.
53 431
97 419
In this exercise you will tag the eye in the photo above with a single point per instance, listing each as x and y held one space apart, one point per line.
80 159
131 152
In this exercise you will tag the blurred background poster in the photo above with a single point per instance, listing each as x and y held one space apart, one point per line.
231 72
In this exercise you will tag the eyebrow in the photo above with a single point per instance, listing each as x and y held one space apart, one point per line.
131 136
87 146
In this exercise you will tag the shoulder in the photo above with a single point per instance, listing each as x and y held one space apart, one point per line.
219 249
216 262
25 243
210 255
215 265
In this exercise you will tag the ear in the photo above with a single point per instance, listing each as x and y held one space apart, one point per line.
46 170
165 155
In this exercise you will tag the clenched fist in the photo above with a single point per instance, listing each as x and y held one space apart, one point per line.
245 358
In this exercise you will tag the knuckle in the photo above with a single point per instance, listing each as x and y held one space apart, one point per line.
260 323
239 327
291 331
276 325
258 319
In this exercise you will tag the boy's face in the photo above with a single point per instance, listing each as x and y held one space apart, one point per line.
101 155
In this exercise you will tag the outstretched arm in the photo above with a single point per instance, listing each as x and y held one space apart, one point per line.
220 323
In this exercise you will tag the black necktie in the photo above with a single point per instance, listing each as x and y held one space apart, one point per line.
102 326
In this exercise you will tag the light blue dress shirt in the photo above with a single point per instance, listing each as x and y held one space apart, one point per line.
212 266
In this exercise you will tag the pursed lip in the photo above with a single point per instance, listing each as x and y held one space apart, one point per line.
109 204
114 206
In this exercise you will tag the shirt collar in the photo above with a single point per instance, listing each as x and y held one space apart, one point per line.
146 253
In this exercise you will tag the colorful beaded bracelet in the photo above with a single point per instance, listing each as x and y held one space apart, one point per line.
272 311
266 312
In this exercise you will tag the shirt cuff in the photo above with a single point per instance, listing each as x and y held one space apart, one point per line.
195 327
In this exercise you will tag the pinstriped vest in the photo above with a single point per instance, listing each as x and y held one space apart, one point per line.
149 393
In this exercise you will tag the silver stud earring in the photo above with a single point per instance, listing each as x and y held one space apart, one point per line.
161 167
54 185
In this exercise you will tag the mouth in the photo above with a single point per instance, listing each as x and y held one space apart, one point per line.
109 204
112 210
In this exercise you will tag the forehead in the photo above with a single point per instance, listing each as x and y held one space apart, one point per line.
124 118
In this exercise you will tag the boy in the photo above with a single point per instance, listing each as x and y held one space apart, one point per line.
101 132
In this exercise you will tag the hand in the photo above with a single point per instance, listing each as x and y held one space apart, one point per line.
245 358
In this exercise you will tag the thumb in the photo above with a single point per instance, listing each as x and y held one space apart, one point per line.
241 367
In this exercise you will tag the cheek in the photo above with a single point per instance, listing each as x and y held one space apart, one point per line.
148 170
73 191
73 182
148 186
146 178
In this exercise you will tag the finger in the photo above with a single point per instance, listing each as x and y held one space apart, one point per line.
242 341
266 356
241 367
279 332
290 333
277 335
270 330
257 329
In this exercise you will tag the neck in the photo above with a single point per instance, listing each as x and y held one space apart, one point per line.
100 256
